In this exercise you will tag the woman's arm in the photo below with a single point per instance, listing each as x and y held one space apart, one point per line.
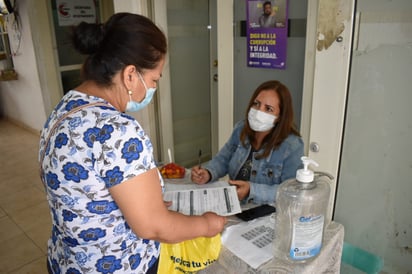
219 165
141 202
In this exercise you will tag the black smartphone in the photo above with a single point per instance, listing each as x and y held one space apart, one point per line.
256 212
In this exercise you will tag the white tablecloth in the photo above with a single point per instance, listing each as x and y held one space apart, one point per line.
328 260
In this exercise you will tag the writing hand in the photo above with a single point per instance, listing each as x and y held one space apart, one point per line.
199 175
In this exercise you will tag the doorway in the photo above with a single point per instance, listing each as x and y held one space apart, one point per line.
192 70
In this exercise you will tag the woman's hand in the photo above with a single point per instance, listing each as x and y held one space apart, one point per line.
242 188
199 175
215 223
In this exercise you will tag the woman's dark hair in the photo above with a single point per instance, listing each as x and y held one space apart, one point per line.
125 39
285 124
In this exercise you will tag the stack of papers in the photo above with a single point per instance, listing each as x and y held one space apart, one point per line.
251 241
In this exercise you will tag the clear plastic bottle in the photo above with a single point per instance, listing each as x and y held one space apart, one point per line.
301 206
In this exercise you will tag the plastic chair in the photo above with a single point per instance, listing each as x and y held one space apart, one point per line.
361 259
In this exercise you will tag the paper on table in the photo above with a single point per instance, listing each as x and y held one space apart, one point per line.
222 200
251 241
186 184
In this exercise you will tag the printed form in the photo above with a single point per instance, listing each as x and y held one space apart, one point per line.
195 201
251 241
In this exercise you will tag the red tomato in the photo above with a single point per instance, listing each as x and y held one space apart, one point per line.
172 171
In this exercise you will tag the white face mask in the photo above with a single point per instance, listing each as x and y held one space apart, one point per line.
261 121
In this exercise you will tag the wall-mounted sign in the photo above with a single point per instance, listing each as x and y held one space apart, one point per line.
72 12
266 31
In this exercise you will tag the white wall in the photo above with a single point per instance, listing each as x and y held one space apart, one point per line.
21 100
374 200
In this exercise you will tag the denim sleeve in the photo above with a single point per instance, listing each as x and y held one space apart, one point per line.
218 166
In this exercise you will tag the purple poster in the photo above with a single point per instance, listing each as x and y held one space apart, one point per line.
266 31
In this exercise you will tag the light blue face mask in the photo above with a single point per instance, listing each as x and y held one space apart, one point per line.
134 106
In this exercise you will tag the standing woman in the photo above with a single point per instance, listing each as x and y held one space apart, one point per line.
103 188
264 149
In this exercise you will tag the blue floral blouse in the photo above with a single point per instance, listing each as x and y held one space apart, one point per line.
92 150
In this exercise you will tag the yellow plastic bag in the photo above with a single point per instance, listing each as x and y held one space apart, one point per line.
189 256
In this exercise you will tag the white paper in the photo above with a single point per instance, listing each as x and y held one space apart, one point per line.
186 184
196 200
251 241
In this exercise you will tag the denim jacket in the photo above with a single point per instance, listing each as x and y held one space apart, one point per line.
267 173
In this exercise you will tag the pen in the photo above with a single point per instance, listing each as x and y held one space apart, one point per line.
199 158
229 208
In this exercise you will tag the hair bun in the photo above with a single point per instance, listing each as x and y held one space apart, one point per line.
88 37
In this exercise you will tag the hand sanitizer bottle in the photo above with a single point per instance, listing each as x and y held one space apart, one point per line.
301 206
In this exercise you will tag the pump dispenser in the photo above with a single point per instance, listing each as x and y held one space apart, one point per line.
301 206
306 175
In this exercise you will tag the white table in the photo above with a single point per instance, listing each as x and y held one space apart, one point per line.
328 261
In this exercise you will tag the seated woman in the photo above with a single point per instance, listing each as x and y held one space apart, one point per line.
264 149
